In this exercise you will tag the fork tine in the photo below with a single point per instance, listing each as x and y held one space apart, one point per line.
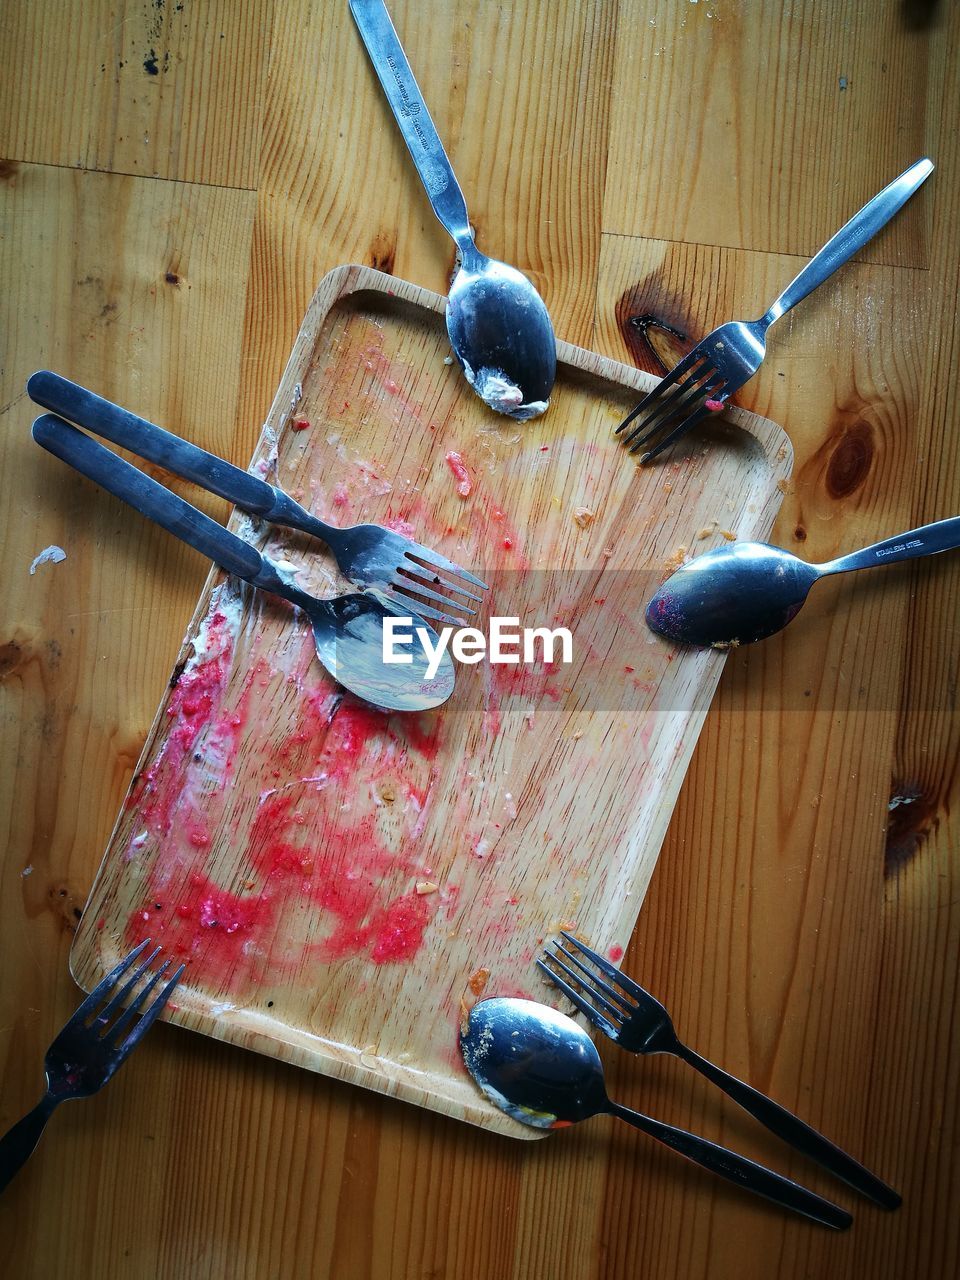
422 610
667 380
153 1012
401 582
433 560
585 1007
612 972
430 577
129 1013
128 986
676 403
622 1008
686 425
106 985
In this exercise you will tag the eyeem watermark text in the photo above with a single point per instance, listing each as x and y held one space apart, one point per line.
507 643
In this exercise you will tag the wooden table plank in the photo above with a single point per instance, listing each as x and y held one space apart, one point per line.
764 125
164 88
804 932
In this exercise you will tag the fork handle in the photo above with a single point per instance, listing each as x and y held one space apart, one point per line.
173 453
164 508
739 1169
18 1143
851 238
794 1131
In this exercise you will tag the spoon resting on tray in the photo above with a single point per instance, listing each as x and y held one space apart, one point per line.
498 326
748 591
541 1068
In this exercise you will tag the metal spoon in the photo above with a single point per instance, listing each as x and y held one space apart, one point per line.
749 590
540 1067
347 630
499 328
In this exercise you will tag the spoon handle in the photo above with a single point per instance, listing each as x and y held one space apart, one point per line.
851 238
411 114
164 508
739 1170
173 453
928 540
795 1131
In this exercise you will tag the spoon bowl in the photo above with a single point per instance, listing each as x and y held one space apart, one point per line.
501 334
348 634
541 1068
747 591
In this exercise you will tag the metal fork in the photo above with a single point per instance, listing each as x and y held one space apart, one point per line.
368 554
89 1050
725 359
633 1019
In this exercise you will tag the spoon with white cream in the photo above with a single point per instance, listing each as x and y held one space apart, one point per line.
498 326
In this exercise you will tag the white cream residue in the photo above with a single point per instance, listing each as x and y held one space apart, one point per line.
502 394
213 639
49 555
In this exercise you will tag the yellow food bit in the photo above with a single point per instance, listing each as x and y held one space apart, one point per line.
426 886
478 980
584 517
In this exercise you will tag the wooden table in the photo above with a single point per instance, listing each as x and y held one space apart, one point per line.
176 178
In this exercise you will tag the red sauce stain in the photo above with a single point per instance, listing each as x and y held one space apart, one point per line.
300 424
340 496
615 953
525 680
460 473
207 922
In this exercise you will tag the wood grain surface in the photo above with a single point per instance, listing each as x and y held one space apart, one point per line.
655 168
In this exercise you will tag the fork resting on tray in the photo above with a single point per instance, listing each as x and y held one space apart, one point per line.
368 554
725 359
631 1017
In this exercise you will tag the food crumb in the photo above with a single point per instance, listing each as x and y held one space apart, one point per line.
783 485
426 886
728 534
674 561
725 644
781 453
368 1055
607 552
584 517
462 476
300 424
478 980
668 487
474 988
707 530
713 405
49 555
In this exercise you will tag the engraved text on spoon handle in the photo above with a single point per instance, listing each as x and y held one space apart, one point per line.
410 111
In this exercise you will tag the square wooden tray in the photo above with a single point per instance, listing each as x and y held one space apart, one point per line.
340 880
